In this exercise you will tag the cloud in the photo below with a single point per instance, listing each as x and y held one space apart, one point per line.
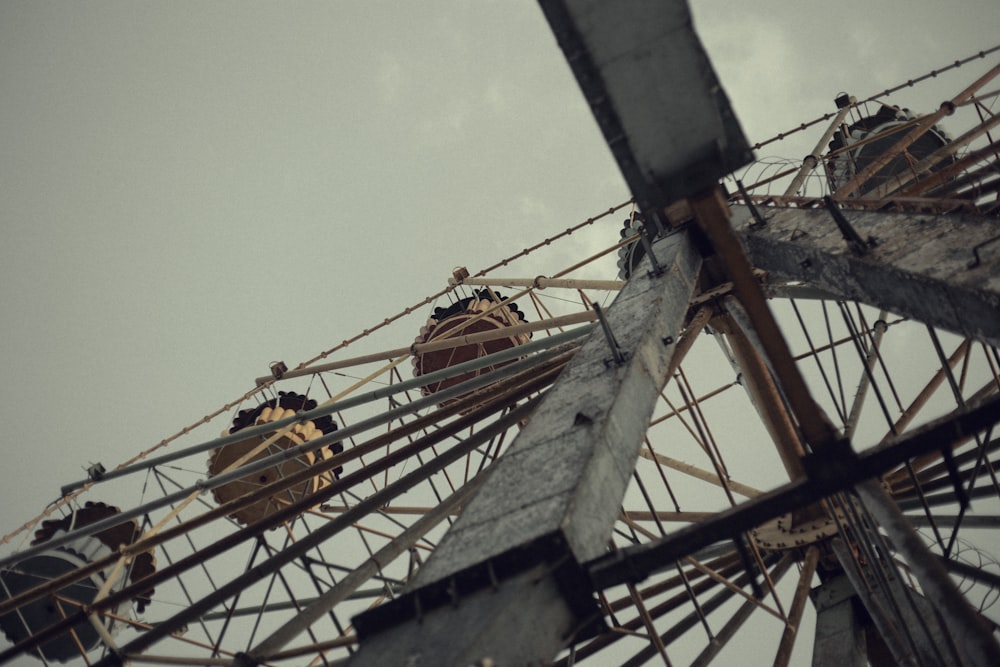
390 77
495 97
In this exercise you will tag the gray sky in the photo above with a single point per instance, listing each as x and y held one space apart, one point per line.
191 190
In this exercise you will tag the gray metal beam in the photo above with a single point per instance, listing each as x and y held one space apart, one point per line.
653 93
973 637
840 635
887 608
505 582
940 269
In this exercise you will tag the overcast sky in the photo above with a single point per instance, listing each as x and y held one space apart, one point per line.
190 190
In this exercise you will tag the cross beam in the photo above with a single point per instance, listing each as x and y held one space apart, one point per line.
941 269
827 473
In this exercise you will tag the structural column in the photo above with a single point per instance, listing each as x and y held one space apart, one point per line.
505 583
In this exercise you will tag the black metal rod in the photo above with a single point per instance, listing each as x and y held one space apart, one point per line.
647 245
634 563
616 351
759 220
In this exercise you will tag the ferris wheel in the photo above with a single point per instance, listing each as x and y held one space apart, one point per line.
363 503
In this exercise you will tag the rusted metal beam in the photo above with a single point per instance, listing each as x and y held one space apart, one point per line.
961 166
729 567
678 629
866 378
943 270
764 395
787 642
698 473
350 583
292 552
811 160
914 172
923 125
713 214
443 344
536 371
329 529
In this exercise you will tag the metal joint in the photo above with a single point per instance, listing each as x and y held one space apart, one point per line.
278 369
245 660
833 462
96 472
857 244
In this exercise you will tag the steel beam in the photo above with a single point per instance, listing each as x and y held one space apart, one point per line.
757 321
840 636
891 617
505 582
943 269
827 473
653 93
972 636
759 384
517 355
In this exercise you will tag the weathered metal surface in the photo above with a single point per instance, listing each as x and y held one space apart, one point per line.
884 611
973 636
551 500
921 265
840 637
653 93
